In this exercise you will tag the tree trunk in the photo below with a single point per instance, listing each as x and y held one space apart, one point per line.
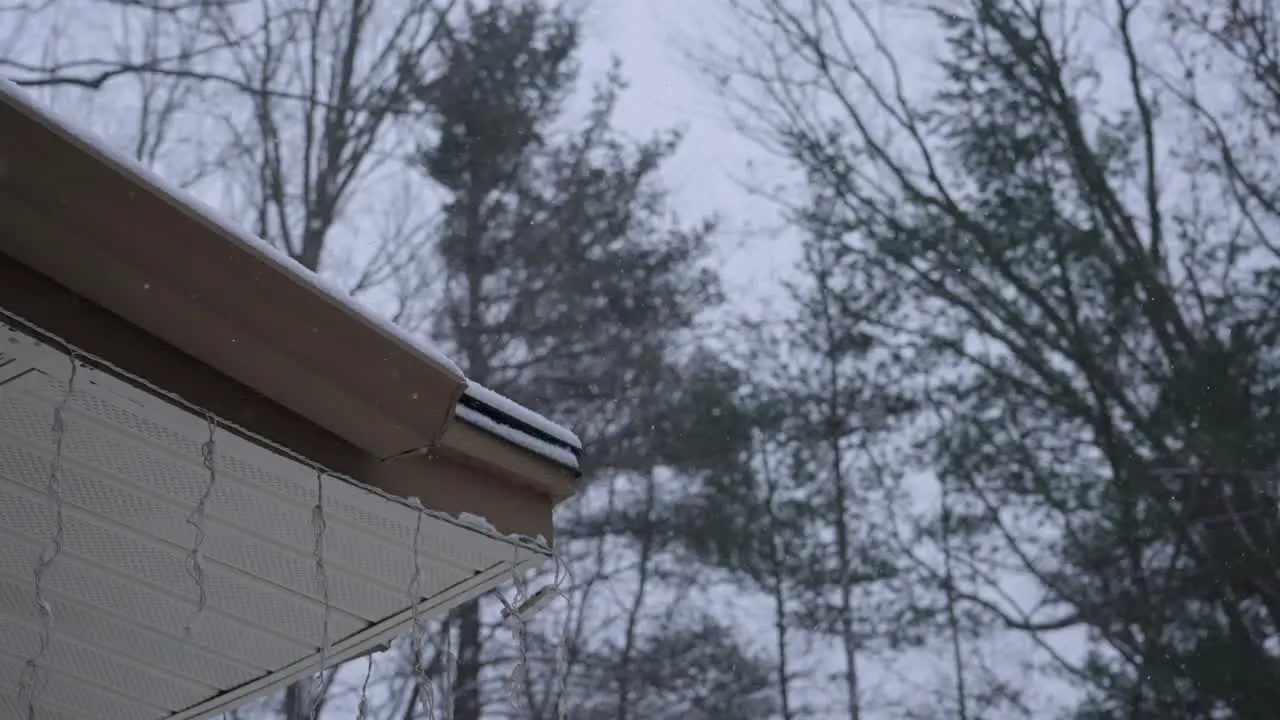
835 424
467 700
645 552
953 618
295 701
779 589
848 639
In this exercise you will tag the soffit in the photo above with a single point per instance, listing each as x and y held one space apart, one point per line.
122 589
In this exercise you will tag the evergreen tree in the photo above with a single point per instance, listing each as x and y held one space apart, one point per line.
567 283
807 519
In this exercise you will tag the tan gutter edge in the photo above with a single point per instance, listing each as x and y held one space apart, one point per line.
478 447
76 211
448 434
206 216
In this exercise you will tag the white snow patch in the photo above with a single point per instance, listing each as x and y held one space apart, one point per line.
523 414
537 543
472 521
477 522
16 96
512 435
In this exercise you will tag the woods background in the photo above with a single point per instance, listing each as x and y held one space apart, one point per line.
1006 447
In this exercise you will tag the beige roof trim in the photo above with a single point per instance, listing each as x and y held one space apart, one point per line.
473 446
161 262
115 235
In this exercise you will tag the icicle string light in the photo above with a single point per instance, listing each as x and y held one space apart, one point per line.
362 707
524 605
29 681
520 673
559 712
426 692
195 559
517 613
322 586
535 544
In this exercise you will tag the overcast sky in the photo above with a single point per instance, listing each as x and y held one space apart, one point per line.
649 36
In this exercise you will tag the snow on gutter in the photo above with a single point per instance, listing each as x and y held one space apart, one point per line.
522 415
515 423
543 449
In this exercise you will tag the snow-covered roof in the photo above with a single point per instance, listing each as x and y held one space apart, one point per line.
479 406
520 415
17 96
517 424
533 444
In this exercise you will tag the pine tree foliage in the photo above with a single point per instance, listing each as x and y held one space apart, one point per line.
566 274
566 282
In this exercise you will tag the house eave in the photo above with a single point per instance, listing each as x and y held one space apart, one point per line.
115 237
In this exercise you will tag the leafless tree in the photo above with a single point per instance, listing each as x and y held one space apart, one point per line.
323 80
1074 212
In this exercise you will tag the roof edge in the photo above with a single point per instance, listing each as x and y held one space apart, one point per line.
472 403
13 95
512 413
560 456
101 227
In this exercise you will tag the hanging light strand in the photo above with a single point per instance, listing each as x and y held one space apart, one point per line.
29 679
560 712
318 526
29 682
362 707
195 559
417 630
512 614
517 613
536 544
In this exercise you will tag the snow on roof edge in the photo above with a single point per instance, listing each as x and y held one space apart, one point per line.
538 447
525 415
16 96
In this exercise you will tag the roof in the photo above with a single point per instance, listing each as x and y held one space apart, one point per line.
279 329
361 479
